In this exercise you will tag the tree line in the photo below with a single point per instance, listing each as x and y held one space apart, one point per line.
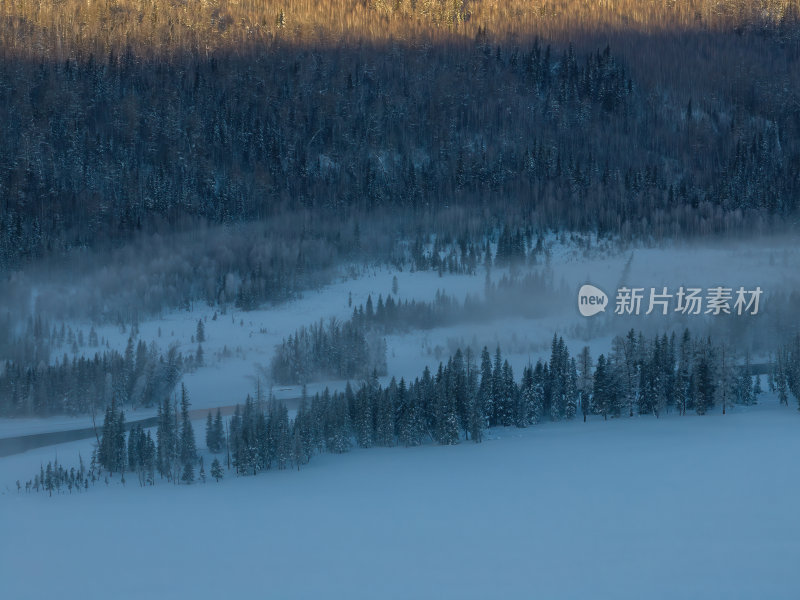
354 348
784 378
141 376
341 350
460 401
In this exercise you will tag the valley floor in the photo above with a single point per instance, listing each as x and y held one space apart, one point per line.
677 507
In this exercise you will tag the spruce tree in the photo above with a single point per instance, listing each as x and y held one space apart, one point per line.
486 389
200 336
216 469
600 399
188 448
572 393
683 375
210 441
585 382
219 433
134 445
475 419
188 473
497 389
705 387
166 437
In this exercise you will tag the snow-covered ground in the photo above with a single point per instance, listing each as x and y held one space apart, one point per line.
677 507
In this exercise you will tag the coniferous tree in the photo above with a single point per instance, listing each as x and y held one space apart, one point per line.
188 473
445 416
497 389
112 449
210 441
280 434
756 388
219 433
486 388
362 417
148 461
383 415
200 336
134 448
704 382
524 398
105 450
475 418
683 379
585 381
337 431
601 392
167 439
508 396
216 469
188 447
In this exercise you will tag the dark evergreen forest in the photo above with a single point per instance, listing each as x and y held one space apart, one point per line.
448 113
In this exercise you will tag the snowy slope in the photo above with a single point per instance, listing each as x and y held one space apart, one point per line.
679 507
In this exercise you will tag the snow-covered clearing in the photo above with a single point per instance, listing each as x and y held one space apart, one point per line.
679 507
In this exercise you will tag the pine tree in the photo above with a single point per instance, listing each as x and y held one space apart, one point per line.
362 418
369 313
216 470
683 376
188 448
383 414
573 395
148 462
558 379
134 445
446 418
167 440
486 388
112 450
281 440
337 434
704 398
210 441
497 389
585 381
525 398
508 397
458 389
600 399
756 388
475 420
217 434
105 450
188 473
302 445
200 336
